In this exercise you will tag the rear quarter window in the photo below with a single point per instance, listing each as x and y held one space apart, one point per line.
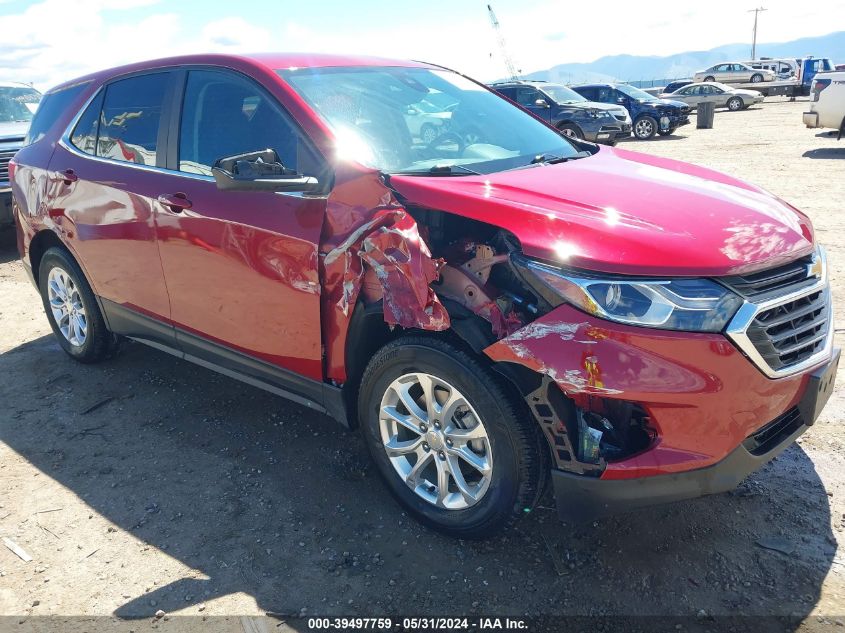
53 106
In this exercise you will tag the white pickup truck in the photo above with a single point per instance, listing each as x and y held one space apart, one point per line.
827 109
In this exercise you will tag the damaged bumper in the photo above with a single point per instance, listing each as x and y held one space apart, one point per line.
713 416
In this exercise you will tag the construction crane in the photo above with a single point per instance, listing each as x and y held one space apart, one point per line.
513 72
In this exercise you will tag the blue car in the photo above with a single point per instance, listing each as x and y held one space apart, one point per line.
649 114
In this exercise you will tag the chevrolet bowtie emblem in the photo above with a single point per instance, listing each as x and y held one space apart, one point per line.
815 268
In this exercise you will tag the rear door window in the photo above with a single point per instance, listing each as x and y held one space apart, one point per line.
130 119
84 136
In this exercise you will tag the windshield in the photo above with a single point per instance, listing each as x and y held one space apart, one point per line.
562 94
636 93
18 104
412 120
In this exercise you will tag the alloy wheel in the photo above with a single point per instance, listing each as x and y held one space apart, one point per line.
67 307
644 128
435 441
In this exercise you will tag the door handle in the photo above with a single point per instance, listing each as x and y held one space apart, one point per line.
69 176
176 202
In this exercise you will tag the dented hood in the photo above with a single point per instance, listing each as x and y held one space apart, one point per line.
625 212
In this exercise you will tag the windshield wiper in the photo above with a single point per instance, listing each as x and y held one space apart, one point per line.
440 170
551 159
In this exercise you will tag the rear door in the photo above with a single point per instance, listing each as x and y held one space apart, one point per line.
241 266
106 178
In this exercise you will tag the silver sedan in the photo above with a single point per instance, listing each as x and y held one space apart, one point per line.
735 72
721 95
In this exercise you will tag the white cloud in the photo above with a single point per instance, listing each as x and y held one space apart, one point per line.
41 46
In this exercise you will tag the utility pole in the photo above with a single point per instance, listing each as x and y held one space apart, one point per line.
513 72
754 32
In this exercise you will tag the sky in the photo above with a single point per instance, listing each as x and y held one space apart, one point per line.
46 42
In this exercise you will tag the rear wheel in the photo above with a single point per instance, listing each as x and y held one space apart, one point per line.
645 128
735 104
756 78
71 308
451 441
428 133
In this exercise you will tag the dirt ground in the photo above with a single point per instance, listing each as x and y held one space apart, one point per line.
146 483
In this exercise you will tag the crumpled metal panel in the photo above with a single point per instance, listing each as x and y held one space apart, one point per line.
385 239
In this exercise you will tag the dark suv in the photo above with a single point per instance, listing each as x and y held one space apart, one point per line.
17 103
650 115
572 114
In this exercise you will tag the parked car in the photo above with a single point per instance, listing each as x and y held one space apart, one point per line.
827 108
650 115
488 314
672 86
17 104
722 95
568 111
427 121
783 68
735 72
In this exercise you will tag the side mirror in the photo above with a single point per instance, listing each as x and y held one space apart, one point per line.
542 103
259 171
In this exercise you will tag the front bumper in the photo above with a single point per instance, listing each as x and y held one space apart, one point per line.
811 119
582 499
613 133
702 396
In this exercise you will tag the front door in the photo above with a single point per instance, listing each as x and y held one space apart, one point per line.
528 97
241 266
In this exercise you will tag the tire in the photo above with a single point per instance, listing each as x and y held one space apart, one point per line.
735 104
570 130
668 132
756 78
709 78
511 449
645 128
59 275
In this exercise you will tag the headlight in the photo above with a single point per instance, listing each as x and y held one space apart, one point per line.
698 305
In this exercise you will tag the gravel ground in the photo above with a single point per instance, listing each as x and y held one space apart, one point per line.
146 483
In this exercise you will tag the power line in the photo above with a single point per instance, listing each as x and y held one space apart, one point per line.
754 32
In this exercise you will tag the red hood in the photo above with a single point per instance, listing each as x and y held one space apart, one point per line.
625 212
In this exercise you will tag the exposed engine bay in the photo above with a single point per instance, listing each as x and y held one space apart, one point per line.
478 273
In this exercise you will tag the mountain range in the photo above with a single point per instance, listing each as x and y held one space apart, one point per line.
645 70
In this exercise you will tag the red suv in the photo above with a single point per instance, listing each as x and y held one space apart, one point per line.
493 310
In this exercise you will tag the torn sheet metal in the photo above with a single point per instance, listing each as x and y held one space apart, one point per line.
386 240
584 358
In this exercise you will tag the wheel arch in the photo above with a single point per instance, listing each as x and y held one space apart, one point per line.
43 241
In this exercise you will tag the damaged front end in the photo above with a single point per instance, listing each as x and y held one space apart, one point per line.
421 268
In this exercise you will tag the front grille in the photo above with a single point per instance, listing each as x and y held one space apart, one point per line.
774 433
5 157
785 324
791 332
774 281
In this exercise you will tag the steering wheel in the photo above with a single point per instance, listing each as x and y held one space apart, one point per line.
446 136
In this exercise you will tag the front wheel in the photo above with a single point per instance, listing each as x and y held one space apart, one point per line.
735 104
570 130
71 308
645 128
451 441
709 78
